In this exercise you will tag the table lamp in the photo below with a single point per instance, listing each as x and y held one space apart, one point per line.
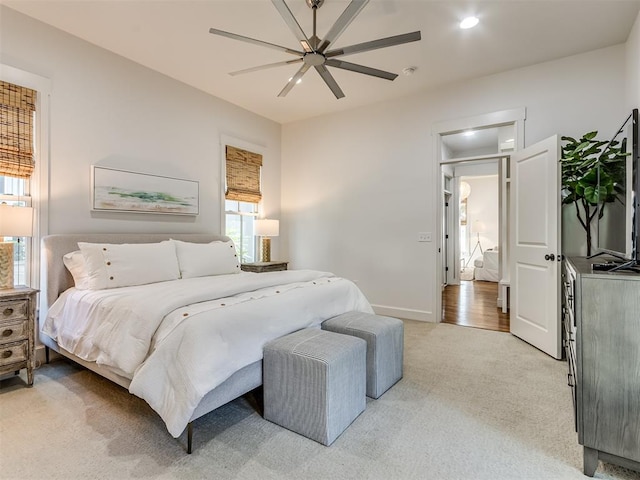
266 229
15 221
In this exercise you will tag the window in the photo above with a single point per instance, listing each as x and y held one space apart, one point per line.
17 126
14 191
242 196
239 217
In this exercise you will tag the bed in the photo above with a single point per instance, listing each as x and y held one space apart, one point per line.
196 342
487 268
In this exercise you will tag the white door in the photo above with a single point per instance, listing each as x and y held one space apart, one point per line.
535 246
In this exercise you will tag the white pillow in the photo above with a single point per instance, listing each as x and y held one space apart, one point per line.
203 259
74 261
127 264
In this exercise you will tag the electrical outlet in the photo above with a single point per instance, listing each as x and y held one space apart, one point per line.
424 236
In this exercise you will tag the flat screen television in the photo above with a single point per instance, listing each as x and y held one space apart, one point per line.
619 226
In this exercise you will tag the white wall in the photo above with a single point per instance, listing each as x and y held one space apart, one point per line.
358 186
633 66
106 110
482 205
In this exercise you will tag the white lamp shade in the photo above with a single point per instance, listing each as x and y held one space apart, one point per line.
478 227
266 228
16 221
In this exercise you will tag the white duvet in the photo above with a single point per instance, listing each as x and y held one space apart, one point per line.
178 340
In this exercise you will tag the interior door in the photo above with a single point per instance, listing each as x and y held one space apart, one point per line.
535 245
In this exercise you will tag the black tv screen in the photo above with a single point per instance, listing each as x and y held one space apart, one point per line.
619 224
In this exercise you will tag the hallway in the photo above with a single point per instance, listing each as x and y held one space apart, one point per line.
473 304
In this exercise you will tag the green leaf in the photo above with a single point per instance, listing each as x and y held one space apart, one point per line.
592 195
590 135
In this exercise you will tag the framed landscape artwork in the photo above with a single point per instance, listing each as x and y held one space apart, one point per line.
122 191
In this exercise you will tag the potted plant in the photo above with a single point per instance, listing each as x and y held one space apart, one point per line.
591 177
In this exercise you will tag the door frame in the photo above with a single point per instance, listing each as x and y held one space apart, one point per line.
449 277
515 117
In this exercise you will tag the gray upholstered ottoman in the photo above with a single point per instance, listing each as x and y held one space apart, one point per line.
385 346
314 382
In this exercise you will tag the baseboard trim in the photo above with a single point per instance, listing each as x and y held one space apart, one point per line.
406 313
40 354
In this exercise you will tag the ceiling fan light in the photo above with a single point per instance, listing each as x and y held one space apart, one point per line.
469 22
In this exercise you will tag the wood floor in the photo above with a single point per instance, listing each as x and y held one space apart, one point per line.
473 304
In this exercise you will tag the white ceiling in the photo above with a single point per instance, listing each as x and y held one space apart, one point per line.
172 37
460 144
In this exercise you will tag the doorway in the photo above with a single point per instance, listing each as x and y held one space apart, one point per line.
472 297
475 141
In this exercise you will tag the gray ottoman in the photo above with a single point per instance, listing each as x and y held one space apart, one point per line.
385 346
314 382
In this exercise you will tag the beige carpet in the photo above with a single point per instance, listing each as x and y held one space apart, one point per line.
473 404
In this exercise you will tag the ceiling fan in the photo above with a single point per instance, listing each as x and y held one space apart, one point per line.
315 51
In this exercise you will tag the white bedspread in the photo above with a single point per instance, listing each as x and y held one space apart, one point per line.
179 340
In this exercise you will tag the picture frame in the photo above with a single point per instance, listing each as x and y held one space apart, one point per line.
115 190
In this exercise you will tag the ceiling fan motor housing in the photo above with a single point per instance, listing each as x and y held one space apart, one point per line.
312 59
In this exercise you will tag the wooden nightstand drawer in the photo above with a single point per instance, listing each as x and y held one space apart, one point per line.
12 332
13 310
14 353
260 267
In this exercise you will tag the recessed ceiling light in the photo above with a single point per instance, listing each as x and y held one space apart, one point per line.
469 22
468 133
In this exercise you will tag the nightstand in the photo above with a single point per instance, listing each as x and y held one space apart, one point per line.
17 330
260 267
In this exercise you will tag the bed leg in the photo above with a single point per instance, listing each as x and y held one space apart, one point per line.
189 437
46 354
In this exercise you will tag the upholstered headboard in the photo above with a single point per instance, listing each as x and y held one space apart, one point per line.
55 278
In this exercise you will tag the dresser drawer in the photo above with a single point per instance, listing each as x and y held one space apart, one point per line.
13 310
14 353
14 331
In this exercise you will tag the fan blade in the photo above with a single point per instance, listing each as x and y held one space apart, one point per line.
264 67
293 24
287 88
242 38
375 44
374 72
352 10
330 81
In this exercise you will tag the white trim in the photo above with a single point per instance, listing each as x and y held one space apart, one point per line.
493 119
406 313
514 116
40 179
492 156
244 145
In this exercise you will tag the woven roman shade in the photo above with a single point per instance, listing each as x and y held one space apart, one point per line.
17 105
243 175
